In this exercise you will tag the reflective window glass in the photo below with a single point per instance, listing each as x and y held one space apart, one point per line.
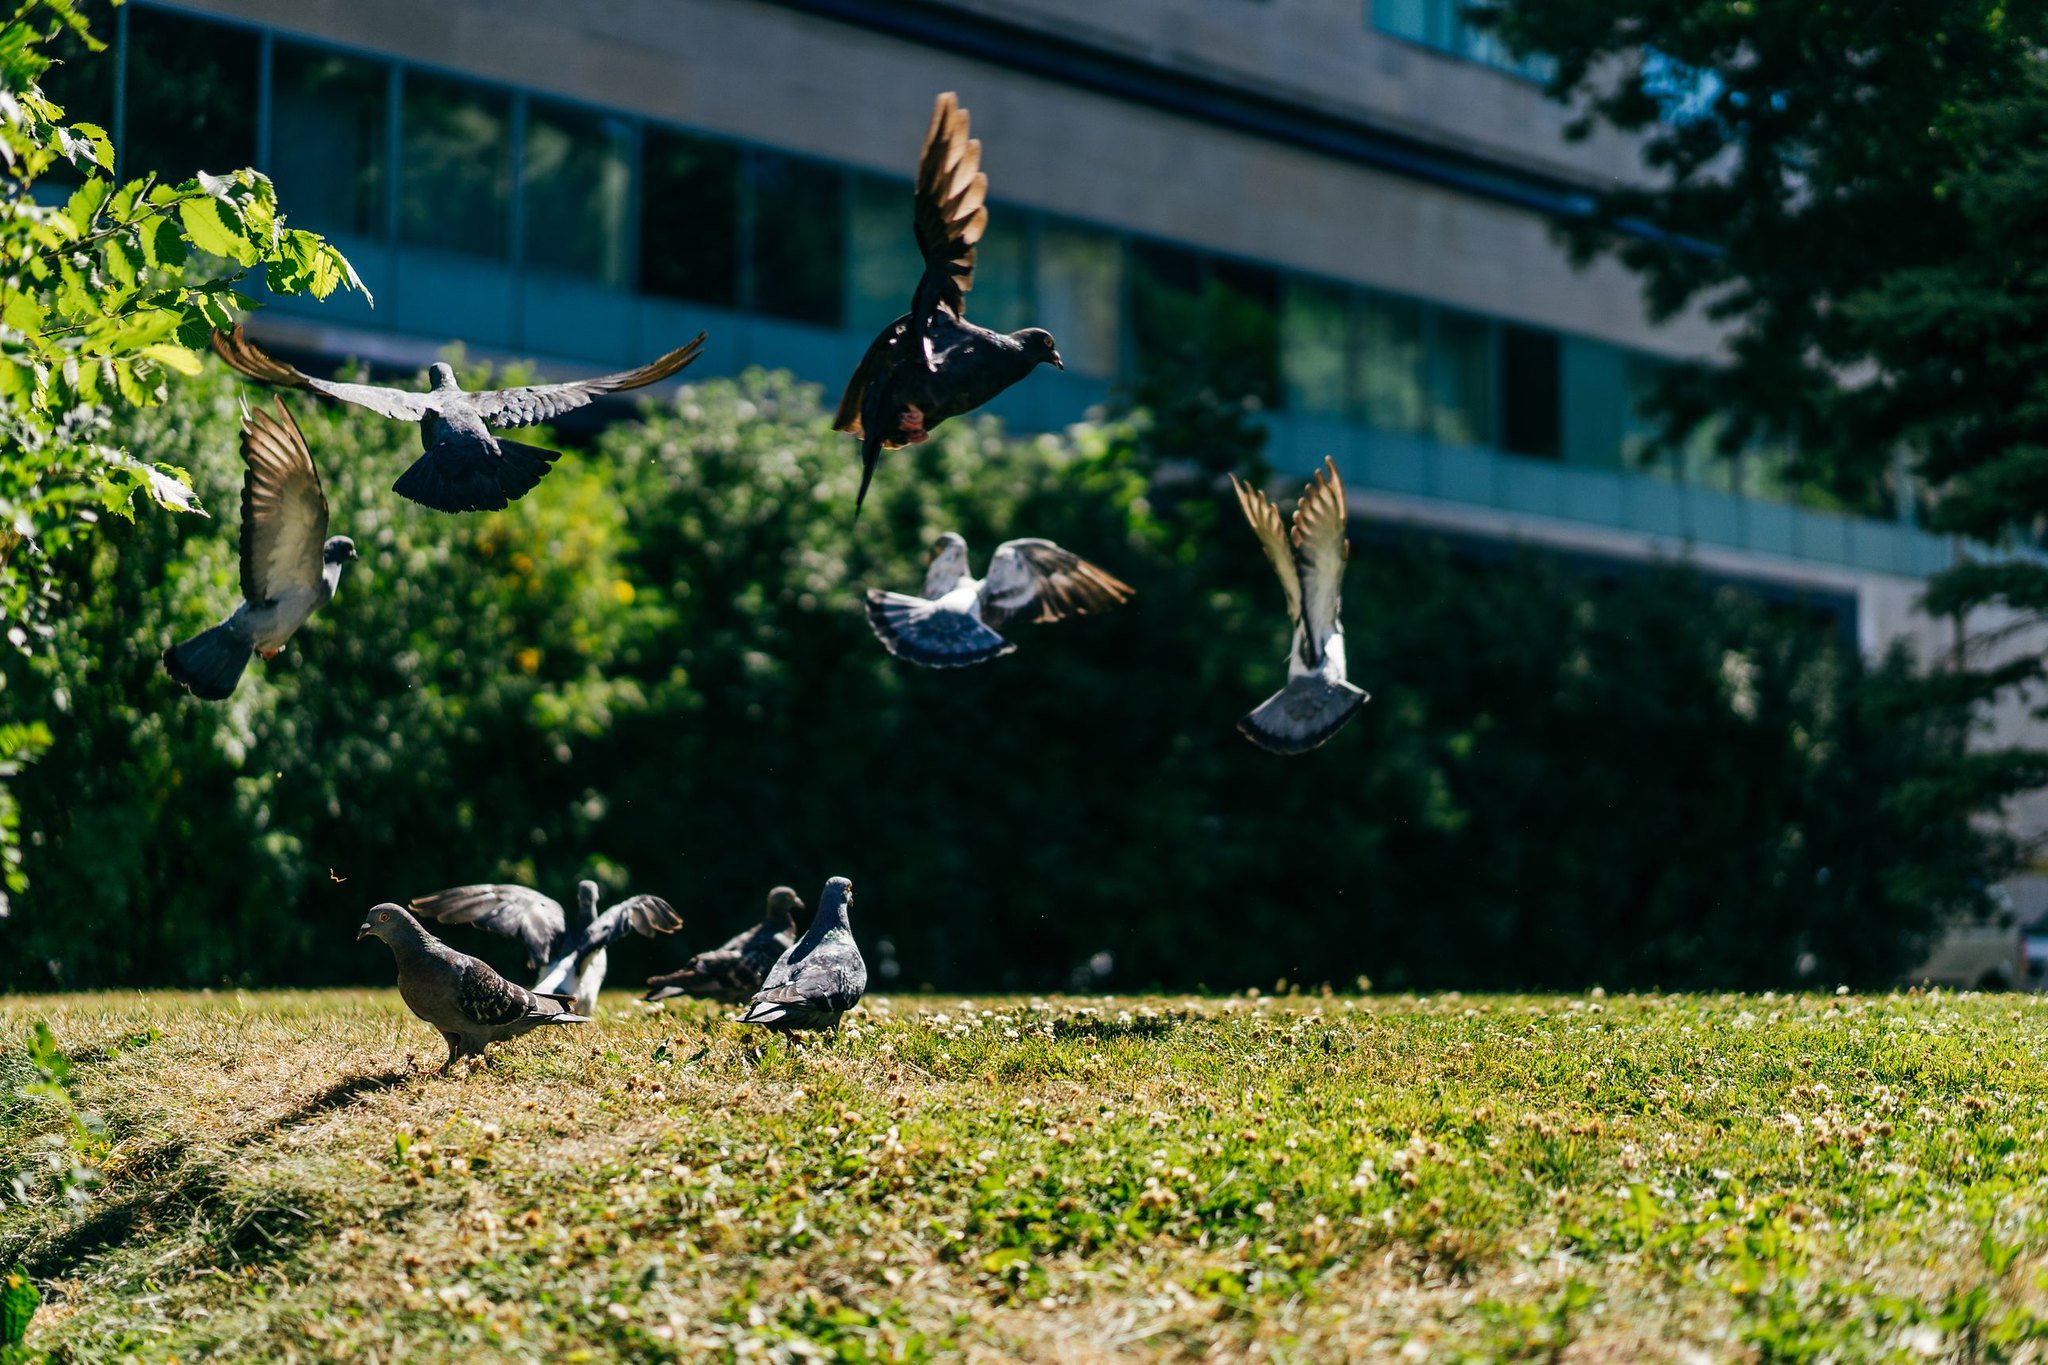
799 238
577 175
327 136
1530 392
191 96
1080 296
690 218
455 189
885 264
1315 339
1002 273
1459 367
1387 374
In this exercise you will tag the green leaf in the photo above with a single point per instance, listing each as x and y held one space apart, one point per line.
123 262
162 247
213 226
173 357
19 1299
85 202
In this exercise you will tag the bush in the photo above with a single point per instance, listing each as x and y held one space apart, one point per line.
654 669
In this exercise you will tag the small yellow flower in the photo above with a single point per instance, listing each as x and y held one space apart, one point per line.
622 592
528 660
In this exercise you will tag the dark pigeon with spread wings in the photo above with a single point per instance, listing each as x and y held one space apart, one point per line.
569 954
931 363
1317 700
465 468
733 971
820 977
954 623
290 566
463 998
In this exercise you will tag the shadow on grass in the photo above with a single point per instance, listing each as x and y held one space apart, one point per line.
1111 1030
178 1185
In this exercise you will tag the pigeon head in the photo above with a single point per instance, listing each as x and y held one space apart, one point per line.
1040 347
586 901
443 375
392 923
338 550
783 904
834 904
947 566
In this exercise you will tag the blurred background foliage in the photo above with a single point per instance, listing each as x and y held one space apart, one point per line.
654 669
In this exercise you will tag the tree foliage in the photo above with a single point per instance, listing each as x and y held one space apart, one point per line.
107 289
654 669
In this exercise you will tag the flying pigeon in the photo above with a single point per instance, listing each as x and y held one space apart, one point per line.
733 970
1317 700
570 956
954 623
820 977
290 565
469 1003
465 468
931 363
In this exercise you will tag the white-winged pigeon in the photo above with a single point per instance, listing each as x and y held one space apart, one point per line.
568 954
954 622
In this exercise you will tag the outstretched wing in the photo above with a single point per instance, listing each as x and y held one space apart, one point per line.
514 911
249 359
644 915
1264 517
952 211
538 402
1039 578
1320 552
870 370
284 513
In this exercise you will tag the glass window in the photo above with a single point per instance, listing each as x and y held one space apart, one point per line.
1315 342
885 263
1166 307
690 218
1459 367
1388 375
1529 392
1080 296
799 238
1241 326
327 135
1410 19
577 175
1002 273
191 96
455 188
81 80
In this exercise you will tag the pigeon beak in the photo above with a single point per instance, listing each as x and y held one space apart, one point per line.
363 932
1057 363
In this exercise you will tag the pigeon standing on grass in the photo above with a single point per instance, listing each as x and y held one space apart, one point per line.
733 970
290 566
568 954
465 468
1317 700
932 363
820 977
464 998
954 623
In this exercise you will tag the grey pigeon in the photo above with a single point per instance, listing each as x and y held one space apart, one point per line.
932 363
465 468
463 997
1317 700
818 978
290 565
954 623
568 953
733 970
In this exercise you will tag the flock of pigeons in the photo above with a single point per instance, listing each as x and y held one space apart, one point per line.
926 366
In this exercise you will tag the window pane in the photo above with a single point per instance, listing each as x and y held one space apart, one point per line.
455 190
886 266
1460 371
1403 18
1241 327
1002 274
191 97
1388 378
327 139
1530 411
1315 328
578 181
799 238
83 81
690 219
1080 290
1166 307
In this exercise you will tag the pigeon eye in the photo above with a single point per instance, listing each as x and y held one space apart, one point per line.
384 918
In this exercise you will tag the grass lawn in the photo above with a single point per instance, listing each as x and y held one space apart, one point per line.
1304 1178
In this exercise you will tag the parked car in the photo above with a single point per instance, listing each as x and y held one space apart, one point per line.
1981 957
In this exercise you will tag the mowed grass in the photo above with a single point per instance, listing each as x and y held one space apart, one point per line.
1304 1178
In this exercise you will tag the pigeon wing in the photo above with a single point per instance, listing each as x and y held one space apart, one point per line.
488 999
951 214
872 367
514 911
643 915
1320 552
1265 523
538 402
1038 578
249 359
284 513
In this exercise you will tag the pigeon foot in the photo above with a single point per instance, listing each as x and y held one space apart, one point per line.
269 654
911 422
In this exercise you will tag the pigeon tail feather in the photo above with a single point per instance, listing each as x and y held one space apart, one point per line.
211 662
913 629
870 456
1303 714
466 476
